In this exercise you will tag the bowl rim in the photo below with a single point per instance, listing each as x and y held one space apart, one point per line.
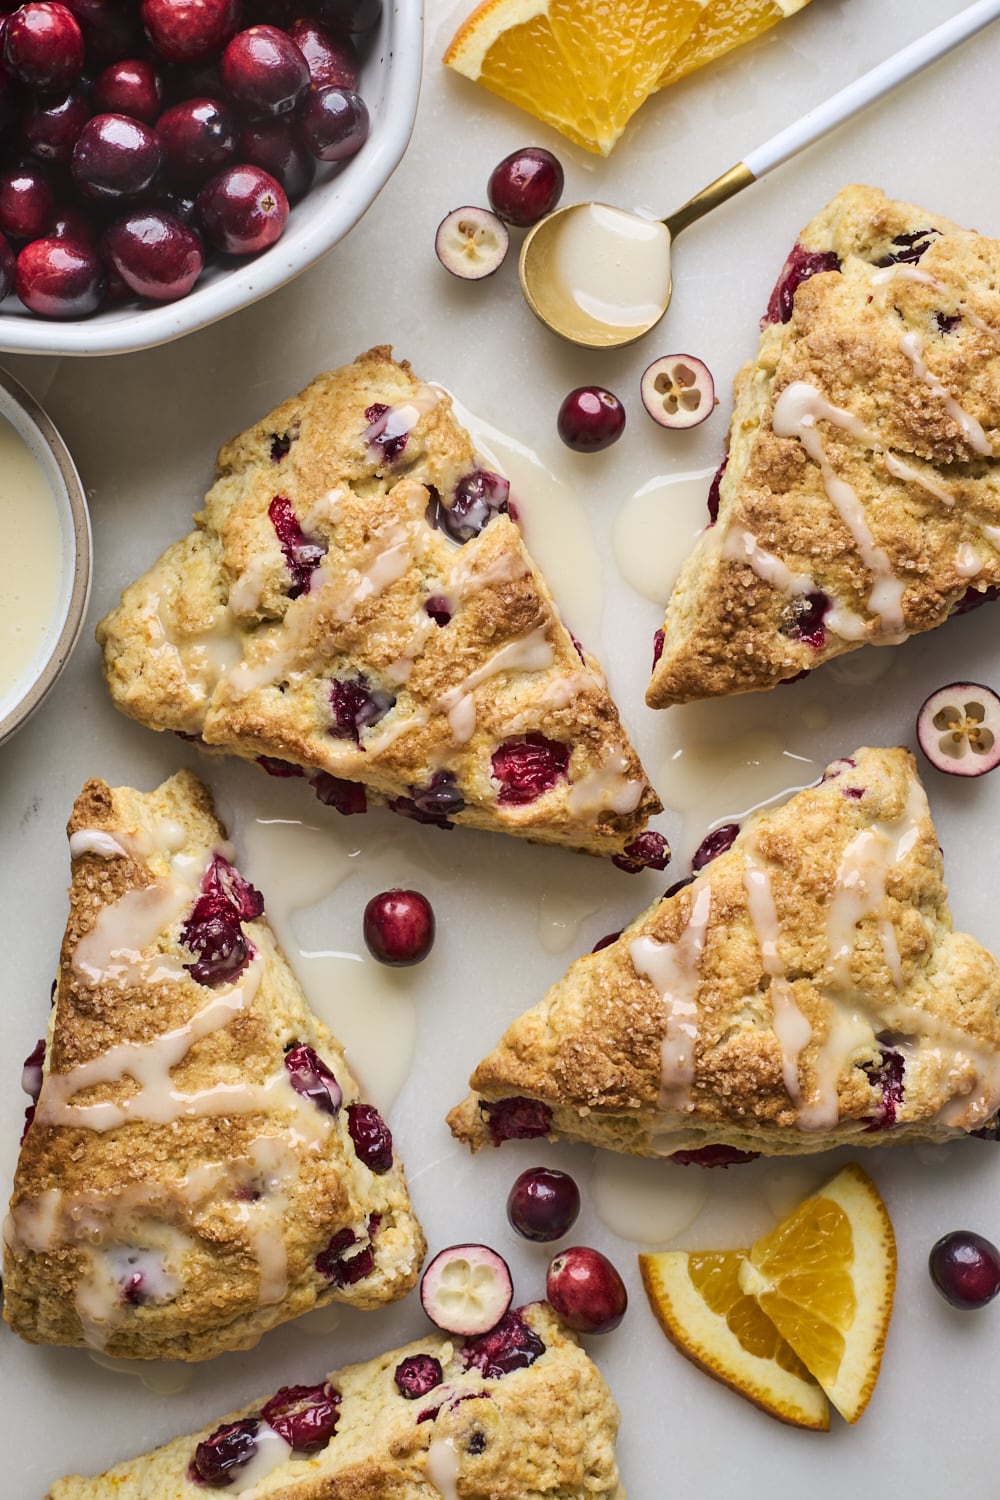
79 558
401 44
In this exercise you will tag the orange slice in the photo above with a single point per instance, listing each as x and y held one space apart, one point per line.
723 25
582 66
698 1301
825 1278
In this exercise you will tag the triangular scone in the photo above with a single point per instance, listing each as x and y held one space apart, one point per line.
806 990
520 1413
323 615
860 500
199 1166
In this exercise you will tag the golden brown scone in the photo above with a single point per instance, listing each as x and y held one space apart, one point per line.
190 1177
545 1430
322 615
860 500
805 991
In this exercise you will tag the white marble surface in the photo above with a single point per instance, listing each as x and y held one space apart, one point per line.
144 429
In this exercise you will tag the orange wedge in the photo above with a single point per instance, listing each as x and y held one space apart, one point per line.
723 25
582 66
698 1300
825 1278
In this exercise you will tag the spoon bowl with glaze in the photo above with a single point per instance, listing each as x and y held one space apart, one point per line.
601 277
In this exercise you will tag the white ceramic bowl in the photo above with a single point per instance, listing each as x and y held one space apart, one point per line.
19 699
390 85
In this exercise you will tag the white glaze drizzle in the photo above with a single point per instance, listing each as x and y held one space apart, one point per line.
270 1452
528 653
967 561
912 345
606 788
95 841
112 951
900 470
791 1027
443 1467
673 970
742 546
992 535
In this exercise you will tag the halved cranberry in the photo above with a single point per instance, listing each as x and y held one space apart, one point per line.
511 1345
800 265
647 852
356 705
230 1447
658 639
713 1156
527 766
715 492
371 1136
309 1076
343 1270
302 556
304 1415
908 248
346 796
889 1077
714 844
417 1374
517 1119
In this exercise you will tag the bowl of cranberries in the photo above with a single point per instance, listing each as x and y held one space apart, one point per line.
166 162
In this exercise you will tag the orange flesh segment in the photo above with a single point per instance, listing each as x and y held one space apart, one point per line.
723 25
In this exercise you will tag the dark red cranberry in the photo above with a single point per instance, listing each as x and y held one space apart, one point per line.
399 927
511 1345
356 706
803 618
280 768
50 128
527 766
649 851
188 30
334 123
678 885
130 87
199 138
115 157
43 45
590 419
517 1119
658 639
281 444
347 797
302 556
526 186
800 265
440 797
242 210
965 1268
714 844
371 1136
60 278
381 432
478 497
417 1374
264 72
907 249
277 146
342 1269
405 807
309 1076
332 60
217 1460
947 322
543 1204
715 492
27 203
349 15
155 254
439 609
304 1415
213 932
7 268
223 879
973 598
606 941
713 1156
586 1290
888 1076
111 29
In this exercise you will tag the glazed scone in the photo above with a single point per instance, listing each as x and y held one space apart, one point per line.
344 608
805 990
517 1414
859 501
200 1165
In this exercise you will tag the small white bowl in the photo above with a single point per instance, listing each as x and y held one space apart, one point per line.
58 472
390 85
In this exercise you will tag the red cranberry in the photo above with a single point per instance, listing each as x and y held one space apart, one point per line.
526 186
527 766
907 249
334 123
585 1290
264 71
332 60
302 555
510 1346
277 146
304 1415
346 797
115 157
606 941
649 851
399 927
27 203
371 1136
60 278
43 45
479 496
965 1268
309 1076
715 492
712 1156
714 844
342 1269
590 419
417 1374
219 1458
188 30
800 265
517 1119
130 87
543 1204
349 15
50 127
242 210
198 138
356 705
155 254
111 28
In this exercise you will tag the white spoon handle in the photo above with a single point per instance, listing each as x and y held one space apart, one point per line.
871 86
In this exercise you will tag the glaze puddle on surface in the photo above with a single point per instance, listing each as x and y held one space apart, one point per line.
30 565
657 527
647 1202
560 916
164 1377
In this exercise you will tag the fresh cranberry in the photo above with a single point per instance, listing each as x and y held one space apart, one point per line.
347 797
585 1290
417 1374
188 30
517 1119
606 941
658 640
399 927
155 254
590 419
439 609
242 210
800 265
714 844
649 851
342 1269
302 556
111 29
527 766
371 1136
50 128
715 492
510 1346
309 1076
356 706
60 278
264 72
43 45
334 123
115 157
304 1415
227 1450
907 249
8 266
888 1076
526 186
543 1204
27 203
965 1268
198 137
131 86
478 497
277 146
332 60
713 1156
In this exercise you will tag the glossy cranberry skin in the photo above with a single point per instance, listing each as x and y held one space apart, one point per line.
111 29
334 123
543 1204
965 1268
43 45
585 1290
525 186
277 146
60 278
155 254
372 1138
131 86
304 1415
50 127
399 927
590 419
7 264
189 30
198 138
264 72
332 60
242 210
27 203
114 158
417 1375
227 1450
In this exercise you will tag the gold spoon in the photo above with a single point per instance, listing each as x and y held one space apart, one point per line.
601 277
